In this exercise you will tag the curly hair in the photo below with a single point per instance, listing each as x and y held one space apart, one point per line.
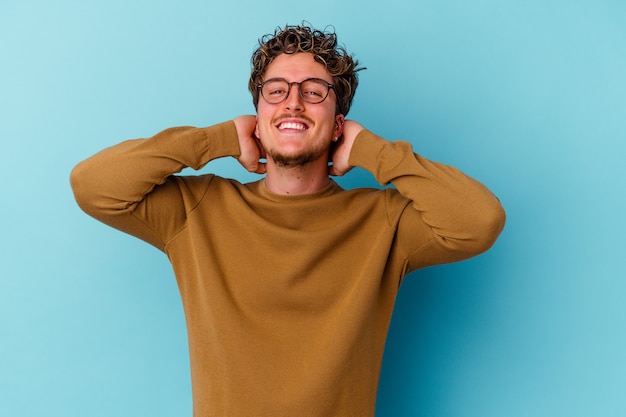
322 44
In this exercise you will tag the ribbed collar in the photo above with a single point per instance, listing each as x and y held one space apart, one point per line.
260 188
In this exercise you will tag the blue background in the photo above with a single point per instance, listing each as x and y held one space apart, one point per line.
527 96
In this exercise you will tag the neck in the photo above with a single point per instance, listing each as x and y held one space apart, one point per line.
296 180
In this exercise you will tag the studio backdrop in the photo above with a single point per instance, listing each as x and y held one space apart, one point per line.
527 96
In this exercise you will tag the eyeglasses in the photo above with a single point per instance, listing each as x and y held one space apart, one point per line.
312 90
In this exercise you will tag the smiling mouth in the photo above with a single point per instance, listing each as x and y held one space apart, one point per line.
292 126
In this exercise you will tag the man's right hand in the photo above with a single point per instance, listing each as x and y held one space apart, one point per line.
250 146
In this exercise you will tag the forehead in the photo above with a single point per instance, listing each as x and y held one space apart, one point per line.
297 67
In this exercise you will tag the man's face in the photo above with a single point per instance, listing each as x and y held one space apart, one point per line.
295 132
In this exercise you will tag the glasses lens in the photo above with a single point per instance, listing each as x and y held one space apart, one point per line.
314 91
275 91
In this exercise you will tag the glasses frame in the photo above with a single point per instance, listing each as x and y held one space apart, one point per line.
299 84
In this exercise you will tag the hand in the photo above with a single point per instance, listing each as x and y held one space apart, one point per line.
250 146
341 155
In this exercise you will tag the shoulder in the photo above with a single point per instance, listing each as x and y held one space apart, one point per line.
389 197
207 183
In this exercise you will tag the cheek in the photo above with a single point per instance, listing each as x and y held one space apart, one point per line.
263 119
325 115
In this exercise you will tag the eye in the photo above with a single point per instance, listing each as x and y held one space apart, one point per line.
312 92
275 88
314 89
276 92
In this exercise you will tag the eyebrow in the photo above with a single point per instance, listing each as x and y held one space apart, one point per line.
290 82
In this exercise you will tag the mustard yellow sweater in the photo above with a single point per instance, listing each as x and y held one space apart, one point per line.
287 299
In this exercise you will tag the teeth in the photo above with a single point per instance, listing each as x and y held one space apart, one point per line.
291 125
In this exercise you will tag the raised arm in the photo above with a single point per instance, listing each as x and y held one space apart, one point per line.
113 185
450 216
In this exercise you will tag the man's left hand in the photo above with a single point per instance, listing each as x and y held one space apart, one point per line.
341 155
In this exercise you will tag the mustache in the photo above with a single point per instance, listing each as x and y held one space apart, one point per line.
279 119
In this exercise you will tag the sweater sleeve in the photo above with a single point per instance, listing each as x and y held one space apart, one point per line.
442 214
131 187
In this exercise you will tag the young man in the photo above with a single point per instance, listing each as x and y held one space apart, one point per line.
288 283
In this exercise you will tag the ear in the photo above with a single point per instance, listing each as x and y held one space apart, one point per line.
339 121
256 128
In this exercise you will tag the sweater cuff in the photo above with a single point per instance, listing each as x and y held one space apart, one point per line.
364 152
222 140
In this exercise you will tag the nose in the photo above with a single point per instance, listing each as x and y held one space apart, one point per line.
294 101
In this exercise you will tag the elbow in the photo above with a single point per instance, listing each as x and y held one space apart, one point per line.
477 234
76 183
487 227
83 187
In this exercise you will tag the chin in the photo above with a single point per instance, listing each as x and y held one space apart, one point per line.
296 159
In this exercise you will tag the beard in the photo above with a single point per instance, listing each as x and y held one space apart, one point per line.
296 160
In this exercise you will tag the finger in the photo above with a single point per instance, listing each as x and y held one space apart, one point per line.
258 167
261 148
339 172
334 171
